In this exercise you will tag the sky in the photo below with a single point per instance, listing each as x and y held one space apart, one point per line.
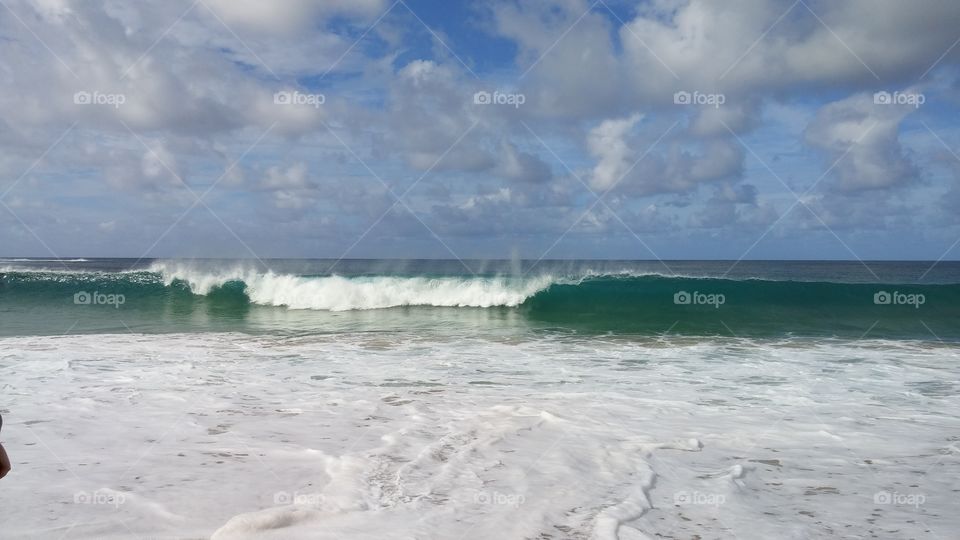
660 129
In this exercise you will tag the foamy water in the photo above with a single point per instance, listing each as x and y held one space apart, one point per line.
392 436
337 293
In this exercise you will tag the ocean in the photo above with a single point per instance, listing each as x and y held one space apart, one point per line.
475 399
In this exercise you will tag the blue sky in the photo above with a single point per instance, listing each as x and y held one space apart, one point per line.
297 128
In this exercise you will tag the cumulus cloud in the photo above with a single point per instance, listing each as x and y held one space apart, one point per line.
522 166
293 177
734 206
427 113
862 136
650 166
607 142
837 43
290 16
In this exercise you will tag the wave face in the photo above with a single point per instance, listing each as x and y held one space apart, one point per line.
586 301
750 307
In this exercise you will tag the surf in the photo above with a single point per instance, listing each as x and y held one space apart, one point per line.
582 301
341 293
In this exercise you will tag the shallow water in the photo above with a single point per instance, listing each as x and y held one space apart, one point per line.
387 436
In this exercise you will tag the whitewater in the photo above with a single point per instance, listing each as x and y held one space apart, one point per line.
339 293
229 436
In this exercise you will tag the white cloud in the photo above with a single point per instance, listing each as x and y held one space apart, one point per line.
864 137
521 166
293 177
607 142
290 16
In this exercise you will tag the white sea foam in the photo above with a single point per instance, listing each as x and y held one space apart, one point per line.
385 436
337 293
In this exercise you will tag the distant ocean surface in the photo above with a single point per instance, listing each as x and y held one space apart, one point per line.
468 399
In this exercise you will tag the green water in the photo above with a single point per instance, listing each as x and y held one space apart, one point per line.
889 300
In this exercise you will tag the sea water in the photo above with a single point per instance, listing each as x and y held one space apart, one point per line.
478 399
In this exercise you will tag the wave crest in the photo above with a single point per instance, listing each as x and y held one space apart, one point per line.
337 293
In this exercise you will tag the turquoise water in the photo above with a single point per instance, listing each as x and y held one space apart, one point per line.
908 300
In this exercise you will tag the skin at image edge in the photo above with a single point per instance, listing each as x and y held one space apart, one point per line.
4 462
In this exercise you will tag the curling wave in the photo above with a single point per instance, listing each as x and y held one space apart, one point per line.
338 293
